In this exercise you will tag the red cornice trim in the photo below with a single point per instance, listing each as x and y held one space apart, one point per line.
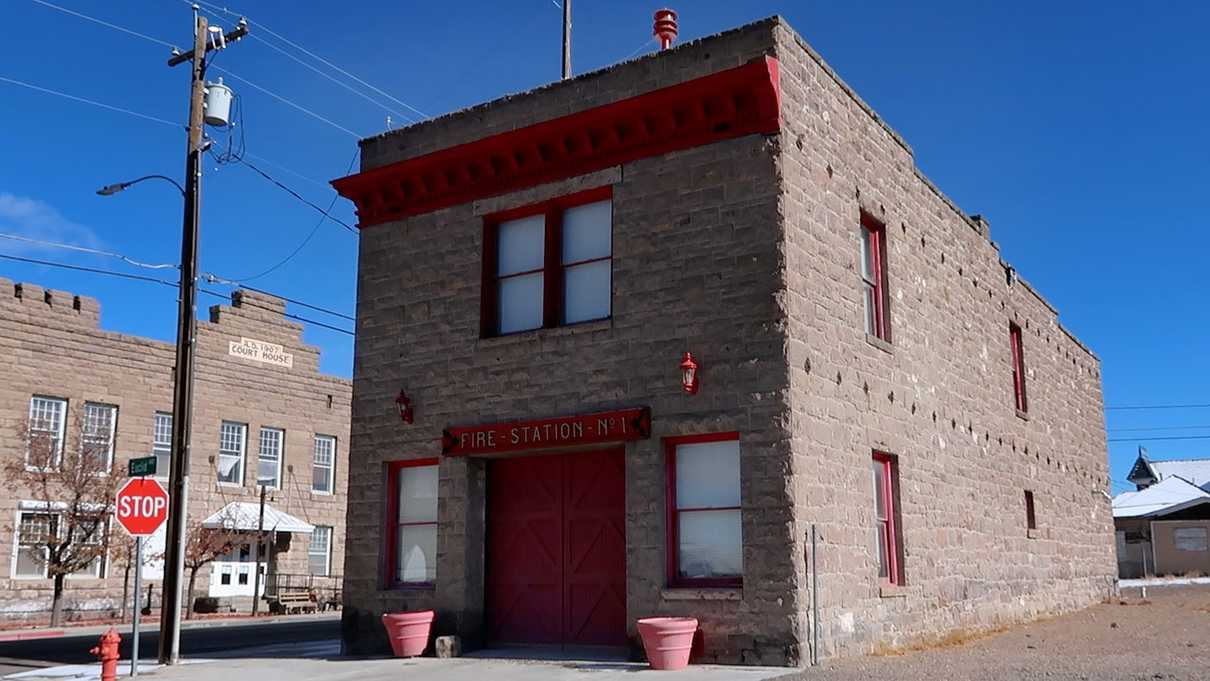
732 103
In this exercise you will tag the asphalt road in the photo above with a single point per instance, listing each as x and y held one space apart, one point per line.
196 641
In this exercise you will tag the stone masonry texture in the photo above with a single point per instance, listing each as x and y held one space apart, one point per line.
53 346
747 252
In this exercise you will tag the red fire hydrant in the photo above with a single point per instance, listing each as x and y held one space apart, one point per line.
107 653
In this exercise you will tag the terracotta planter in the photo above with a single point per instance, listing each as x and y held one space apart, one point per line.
408 631
667 640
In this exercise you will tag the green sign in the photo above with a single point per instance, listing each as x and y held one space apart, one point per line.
141 467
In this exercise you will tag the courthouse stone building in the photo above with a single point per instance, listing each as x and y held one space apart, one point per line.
263 413
653 324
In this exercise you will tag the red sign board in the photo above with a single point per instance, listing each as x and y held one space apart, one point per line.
568 431
142 506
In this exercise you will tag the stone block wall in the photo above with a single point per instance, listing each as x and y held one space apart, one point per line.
52 345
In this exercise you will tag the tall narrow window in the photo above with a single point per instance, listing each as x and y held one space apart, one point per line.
1018 352
705 540
548 264
1031 519
319 552
161 443
268 460
47 421
874 278
323 465
232 437
96 440
412 522
887 538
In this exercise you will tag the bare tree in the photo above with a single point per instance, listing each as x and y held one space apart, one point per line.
202 547
66 531
123 552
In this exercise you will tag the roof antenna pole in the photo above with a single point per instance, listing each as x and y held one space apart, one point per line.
566 39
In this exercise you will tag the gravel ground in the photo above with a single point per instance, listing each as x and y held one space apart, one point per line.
1166 638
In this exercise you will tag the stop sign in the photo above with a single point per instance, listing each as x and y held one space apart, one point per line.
142 506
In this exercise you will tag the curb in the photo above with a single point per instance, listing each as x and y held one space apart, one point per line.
27 635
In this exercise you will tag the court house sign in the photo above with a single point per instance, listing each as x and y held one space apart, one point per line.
260 351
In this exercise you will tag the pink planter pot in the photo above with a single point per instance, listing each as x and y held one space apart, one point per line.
667 640
408 631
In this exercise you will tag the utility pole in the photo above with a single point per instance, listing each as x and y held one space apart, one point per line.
186 331
260 541
566 39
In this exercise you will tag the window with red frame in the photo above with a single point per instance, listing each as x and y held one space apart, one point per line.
705 542
549 264
886 506
411 522
874 278
1018 350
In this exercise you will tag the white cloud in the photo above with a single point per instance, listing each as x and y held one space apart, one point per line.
34 219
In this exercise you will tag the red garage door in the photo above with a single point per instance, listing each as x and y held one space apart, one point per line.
556 550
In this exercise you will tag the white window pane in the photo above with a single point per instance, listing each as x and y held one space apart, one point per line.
418 494
230 469
711 544
321 478
871 326
417 559
867 261
521 303
163 429
521 245
587 290
879 490
880 542
29 563
707 474
587 232
266 473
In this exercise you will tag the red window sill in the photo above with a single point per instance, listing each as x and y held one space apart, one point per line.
1022 414
412 586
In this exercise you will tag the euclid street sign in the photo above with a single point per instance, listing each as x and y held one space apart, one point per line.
141 467
568 431
142 506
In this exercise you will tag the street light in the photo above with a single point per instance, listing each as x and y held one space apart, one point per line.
182 389
111 189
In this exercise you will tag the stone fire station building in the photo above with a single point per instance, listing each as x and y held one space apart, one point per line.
533 273
263 415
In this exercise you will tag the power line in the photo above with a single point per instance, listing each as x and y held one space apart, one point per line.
1163 437
310 54
323 212
1158 406
153 280
287 102
115 27
214 279
93 251
1155 428
309 236
119 109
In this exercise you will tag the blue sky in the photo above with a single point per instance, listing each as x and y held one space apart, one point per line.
1078 129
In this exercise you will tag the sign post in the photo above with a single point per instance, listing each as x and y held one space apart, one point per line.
142 506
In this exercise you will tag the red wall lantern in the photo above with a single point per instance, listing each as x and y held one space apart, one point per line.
689 374
405 407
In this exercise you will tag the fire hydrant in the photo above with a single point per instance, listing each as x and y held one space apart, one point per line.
107 653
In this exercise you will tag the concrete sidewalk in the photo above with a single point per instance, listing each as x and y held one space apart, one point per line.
292 662
154 625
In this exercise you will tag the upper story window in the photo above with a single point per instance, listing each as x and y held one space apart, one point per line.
887 535
1018 351
412 522
323 465
268 460
96 438
1031 518
161 443
47 424
548 265
874 278
232 438
705 540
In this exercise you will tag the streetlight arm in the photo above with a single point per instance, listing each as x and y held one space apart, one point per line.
110 190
